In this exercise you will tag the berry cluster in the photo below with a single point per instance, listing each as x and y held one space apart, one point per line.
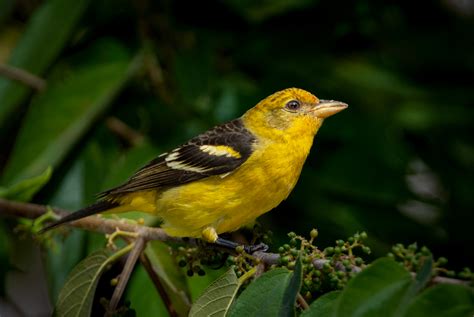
413 257
324 270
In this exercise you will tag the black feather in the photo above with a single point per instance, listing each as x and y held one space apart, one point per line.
157 174
93 209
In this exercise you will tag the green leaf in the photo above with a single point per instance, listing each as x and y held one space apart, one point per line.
323 306
77 295
443 300
40 44
217 298
25 190
376 291
149 305
60 116
170 275
272 294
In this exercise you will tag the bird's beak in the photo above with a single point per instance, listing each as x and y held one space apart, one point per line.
326 108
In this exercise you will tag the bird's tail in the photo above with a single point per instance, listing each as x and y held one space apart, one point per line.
93 209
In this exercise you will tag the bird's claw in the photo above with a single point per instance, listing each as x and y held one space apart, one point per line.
256 247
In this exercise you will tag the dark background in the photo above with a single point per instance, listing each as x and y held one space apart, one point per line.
399 163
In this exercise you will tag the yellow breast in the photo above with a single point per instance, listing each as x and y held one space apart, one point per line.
227 202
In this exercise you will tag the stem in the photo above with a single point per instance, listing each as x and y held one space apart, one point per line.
23 76
108 226
159 287
302 301
247 275
137 248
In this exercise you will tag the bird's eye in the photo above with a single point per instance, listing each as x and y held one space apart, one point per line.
293 105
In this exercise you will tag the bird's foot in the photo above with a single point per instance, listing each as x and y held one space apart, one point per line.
116 234
247 248
256 247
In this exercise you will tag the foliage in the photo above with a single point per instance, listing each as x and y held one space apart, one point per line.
398 164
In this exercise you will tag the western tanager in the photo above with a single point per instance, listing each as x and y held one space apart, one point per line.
227 176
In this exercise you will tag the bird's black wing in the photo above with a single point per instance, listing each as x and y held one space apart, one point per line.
216 152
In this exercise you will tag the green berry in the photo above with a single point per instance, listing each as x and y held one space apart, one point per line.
337 250
366 250
239 249
442 261
286 246
359 261
425 251
329 250
291 234
313 233
412 247
363 235
190 273
284 260
340 242
291 265
293 242
350 240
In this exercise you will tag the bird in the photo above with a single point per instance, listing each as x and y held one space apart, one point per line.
227 176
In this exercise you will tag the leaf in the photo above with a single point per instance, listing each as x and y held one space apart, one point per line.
272 294
25 190
32 54
149 305
422 278
217 298
170 275
77 295
60 116
376 291
289 298
443 300
323 306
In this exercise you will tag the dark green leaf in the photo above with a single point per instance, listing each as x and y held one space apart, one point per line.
77 295
60 116
376 291
217 298
323 306
443 300
149 305
25 190
421 280
272 294
294 285
47 33
170 275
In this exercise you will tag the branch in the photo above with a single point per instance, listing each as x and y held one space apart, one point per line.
23 76
92 223
109 226
138 246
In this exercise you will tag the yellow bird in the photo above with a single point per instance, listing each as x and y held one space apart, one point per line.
227 176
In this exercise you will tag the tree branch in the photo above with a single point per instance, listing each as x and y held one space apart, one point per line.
108 226
23 76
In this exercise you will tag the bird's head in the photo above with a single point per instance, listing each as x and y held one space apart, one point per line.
292 111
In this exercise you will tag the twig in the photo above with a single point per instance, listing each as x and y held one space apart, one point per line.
300 299
92 223
23 76
108 226
159 287
122 130
133 256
